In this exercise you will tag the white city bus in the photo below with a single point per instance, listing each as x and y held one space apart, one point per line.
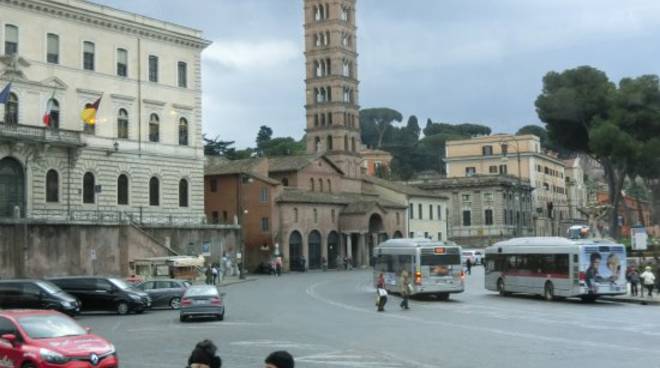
556 267
434 266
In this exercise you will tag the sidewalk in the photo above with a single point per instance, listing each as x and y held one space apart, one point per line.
645 300
233 280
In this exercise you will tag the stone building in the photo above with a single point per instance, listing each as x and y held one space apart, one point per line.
521 157
483 209
376 162
141 163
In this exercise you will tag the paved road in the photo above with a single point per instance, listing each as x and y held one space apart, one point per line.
328 320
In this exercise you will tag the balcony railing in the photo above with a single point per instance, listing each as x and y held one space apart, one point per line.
36 134
109 217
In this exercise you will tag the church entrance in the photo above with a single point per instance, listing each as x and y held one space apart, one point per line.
333 249
12 187
314 242
295 252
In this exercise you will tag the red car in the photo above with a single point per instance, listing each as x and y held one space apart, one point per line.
45 339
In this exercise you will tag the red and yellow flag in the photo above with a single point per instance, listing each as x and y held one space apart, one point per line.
88 114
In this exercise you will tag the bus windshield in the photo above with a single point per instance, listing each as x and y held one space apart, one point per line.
440 265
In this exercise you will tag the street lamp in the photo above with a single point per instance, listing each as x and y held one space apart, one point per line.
241 212
504 146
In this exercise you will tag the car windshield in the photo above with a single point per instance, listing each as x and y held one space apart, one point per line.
49 287
50 326
121 284
201 291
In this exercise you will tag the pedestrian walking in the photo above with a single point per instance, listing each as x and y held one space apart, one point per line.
405 289
214 272
634 282
381 298
648 280
279 359
204 356
324 264
209 275
278 266
468 264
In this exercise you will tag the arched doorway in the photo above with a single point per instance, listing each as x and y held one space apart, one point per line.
333 249
12 187
397 235
375 228
295 251
314 241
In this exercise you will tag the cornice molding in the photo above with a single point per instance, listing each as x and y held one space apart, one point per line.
106 22
153 102
89 92
183 107
122 97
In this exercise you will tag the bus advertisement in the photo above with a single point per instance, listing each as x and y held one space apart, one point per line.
602 269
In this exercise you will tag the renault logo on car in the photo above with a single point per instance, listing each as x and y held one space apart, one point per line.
94 359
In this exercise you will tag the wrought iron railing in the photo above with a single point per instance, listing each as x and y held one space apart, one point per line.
109 216
39 134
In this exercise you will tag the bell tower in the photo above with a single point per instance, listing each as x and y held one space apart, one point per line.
333 124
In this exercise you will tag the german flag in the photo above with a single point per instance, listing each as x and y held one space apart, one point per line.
88 114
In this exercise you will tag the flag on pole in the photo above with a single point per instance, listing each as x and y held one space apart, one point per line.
4 95
48 115
88 114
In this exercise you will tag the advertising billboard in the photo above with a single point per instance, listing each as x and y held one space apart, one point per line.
604 268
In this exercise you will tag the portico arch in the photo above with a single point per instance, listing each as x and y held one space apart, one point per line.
295 250
333 249
314 244
12 187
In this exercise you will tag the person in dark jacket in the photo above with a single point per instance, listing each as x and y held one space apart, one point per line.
204 356
279 359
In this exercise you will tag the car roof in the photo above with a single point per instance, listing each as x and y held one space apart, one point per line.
18 280
78 277
15 313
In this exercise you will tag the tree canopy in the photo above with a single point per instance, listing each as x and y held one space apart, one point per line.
375 123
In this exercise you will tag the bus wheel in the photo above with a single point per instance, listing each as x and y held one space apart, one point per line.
549 291
500 287
443 296
588 298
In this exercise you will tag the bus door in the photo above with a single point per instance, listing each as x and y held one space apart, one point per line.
441 265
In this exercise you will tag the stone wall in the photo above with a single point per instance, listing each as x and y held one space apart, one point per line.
41 250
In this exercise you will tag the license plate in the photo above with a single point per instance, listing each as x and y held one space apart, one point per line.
199 302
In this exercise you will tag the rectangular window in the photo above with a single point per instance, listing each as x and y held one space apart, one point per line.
225 217
506 217
487 150
264 195
420 213
488 197
439 236
430 212
52 48
467 218
505 149
264 224
122 62
332 215
398 218
439 213
470 171
88 55
466 198
492 169
11 39
213 183
411 235
426 235
182 72
215 218
503 169
411 214
153 68
488 214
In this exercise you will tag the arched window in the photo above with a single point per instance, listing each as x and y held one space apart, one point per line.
11 109
329 94
316 215
183 132
52 186
154 127
317 69
88 188
320 185
52 117
329 118
311 184
345 143
317 95
328 66
317 143
183 193
154 192
295 215
327 38
353 144
122 190
322 119
316 120
122 124
323 95
329 186
328 143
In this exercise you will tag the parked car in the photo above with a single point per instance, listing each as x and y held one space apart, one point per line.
202 301
49 339
165 293
104 294
36 294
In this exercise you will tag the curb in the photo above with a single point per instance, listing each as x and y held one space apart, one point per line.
235 282
631 300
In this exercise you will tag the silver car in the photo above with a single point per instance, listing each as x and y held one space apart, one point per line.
202 301
165 293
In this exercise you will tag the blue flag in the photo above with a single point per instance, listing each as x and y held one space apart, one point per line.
4 95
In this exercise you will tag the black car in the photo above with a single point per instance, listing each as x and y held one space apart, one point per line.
104 294
36 294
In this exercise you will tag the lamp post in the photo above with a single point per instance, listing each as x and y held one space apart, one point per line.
504 147
241 211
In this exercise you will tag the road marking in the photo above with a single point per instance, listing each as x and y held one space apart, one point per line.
311 291
279 344
203 325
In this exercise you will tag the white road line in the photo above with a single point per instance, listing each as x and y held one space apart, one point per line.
311 291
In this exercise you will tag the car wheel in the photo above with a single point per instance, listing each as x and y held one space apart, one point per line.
500 288
183 318
175 303
139 311
220 317
588 298
549 291
122 308
443 296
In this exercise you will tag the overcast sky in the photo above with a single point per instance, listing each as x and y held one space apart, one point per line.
451 61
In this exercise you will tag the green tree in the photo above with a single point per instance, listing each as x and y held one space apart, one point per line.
216 147
536 130
381 120
264 135
283 146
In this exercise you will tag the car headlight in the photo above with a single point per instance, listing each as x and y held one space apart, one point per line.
67 304
137 298
52 356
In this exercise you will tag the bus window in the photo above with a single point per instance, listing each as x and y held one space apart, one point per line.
405 263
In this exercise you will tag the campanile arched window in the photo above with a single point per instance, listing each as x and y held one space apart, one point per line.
154 191
183 132
183 193
122 124
154 128
11 109
52 186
